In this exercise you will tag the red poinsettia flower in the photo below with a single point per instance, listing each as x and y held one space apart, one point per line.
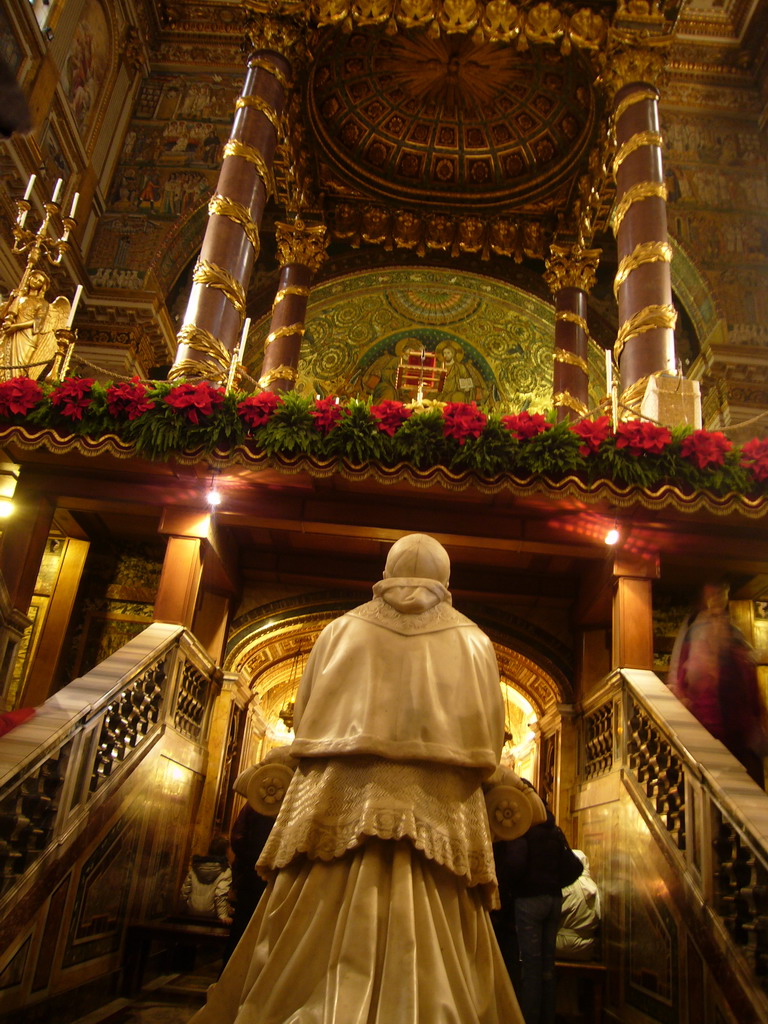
754 457
640 437
257 409
326 414
390 416
592 434
196 400
72 396
19 395
706 448
525 425
128 399
462 420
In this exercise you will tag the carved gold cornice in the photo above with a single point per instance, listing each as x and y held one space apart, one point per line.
572 318
644 252
562 355
242 149
278 373
301 243
286 331
649 318
632 144
260 104
565 398
290 289
571 266
238 213
635 194
214 276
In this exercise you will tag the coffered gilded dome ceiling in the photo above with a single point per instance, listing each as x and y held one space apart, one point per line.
448 120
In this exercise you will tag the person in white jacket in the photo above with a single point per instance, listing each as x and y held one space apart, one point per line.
580 917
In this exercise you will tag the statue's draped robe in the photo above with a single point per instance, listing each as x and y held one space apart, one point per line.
380 863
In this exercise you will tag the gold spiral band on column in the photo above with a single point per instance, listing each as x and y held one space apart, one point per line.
634 142
631 100
649 318
562 355
635 391
257 103
570 402
279 373
200 340
635 194
242 149
259 62
290 289
235 211
284 332
214 276
572 318
644 252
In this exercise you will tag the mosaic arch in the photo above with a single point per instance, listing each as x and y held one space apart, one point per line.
495 339
270 645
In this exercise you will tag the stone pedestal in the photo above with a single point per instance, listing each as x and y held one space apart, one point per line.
672 401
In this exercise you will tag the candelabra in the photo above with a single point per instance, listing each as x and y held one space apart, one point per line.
40 245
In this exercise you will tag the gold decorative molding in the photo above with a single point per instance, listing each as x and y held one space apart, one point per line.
571 266
572 318
632 396
562 355
644 252
260 104
214 276
238 213
266 65
203 341
635 194
265 33
649 318
640 94
565 398
633 143
631 58
286 331
290 289
242 149
301 243
278 373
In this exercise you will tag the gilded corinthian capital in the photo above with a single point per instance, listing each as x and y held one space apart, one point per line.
301 243
632 57
265 32
571 266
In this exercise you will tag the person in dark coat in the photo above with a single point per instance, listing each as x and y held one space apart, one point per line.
531 872
249 834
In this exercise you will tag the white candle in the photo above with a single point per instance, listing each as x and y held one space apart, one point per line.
57 190
75 201
243 339
73 307
608 371
30 186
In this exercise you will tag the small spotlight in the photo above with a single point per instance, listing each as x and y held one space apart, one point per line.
213 497
612 537
6 507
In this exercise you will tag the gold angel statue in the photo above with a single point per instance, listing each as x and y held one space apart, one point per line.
28 331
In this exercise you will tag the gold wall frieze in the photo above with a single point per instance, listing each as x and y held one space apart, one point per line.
569 401
235 147
290 289
632 144
200 340
639 95
635 194
571 266
214 276
278 373
302 243
562 355
224 207
643 253
286 331
650 318
568 316
257 103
